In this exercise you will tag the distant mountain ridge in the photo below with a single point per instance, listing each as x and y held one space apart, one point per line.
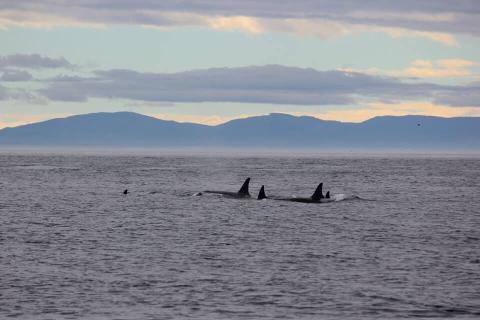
274 130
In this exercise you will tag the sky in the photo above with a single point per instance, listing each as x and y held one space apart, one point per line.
210 61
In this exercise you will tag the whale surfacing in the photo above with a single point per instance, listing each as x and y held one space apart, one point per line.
317 196
261 193
242 193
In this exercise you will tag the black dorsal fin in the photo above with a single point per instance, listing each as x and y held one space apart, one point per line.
244 188
327 196
317 195
261 193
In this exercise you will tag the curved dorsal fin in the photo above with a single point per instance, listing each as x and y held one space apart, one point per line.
327 196
317 195
244 188
261 193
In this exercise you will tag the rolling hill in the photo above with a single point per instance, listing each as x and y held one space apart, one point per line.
274 130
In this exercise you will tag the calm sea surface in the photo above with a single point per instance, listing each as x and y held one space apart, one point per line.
74 247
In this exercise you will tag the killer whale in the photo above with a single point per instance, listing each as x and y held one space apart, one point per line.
317 196
261 193
242 193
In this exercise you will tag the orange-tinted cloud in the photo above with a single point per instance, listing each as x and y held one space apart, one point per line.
399 109
443 68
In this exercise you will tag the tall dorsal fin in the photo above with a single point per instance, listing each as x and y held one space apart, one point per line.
327 196
244 188
317 195
261 193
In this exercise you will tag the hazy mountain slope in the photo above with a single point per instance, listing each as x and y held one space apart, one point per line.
119 128
276 130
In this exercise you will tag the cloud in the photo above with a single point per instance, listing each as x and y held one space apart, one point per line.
465 96
438 69
20 94
241 23
3 93
376 109
33 61
441 68
442 37
271 84
267 84
320 28
15 75
436 20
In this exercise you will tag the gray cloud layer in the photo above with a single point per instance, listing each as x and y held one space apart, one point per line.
15 75
20 94
266 84
272 84
459 16
33 61
462 96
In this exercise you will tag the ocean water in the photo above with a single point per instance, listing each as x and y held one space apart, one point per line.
403 243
